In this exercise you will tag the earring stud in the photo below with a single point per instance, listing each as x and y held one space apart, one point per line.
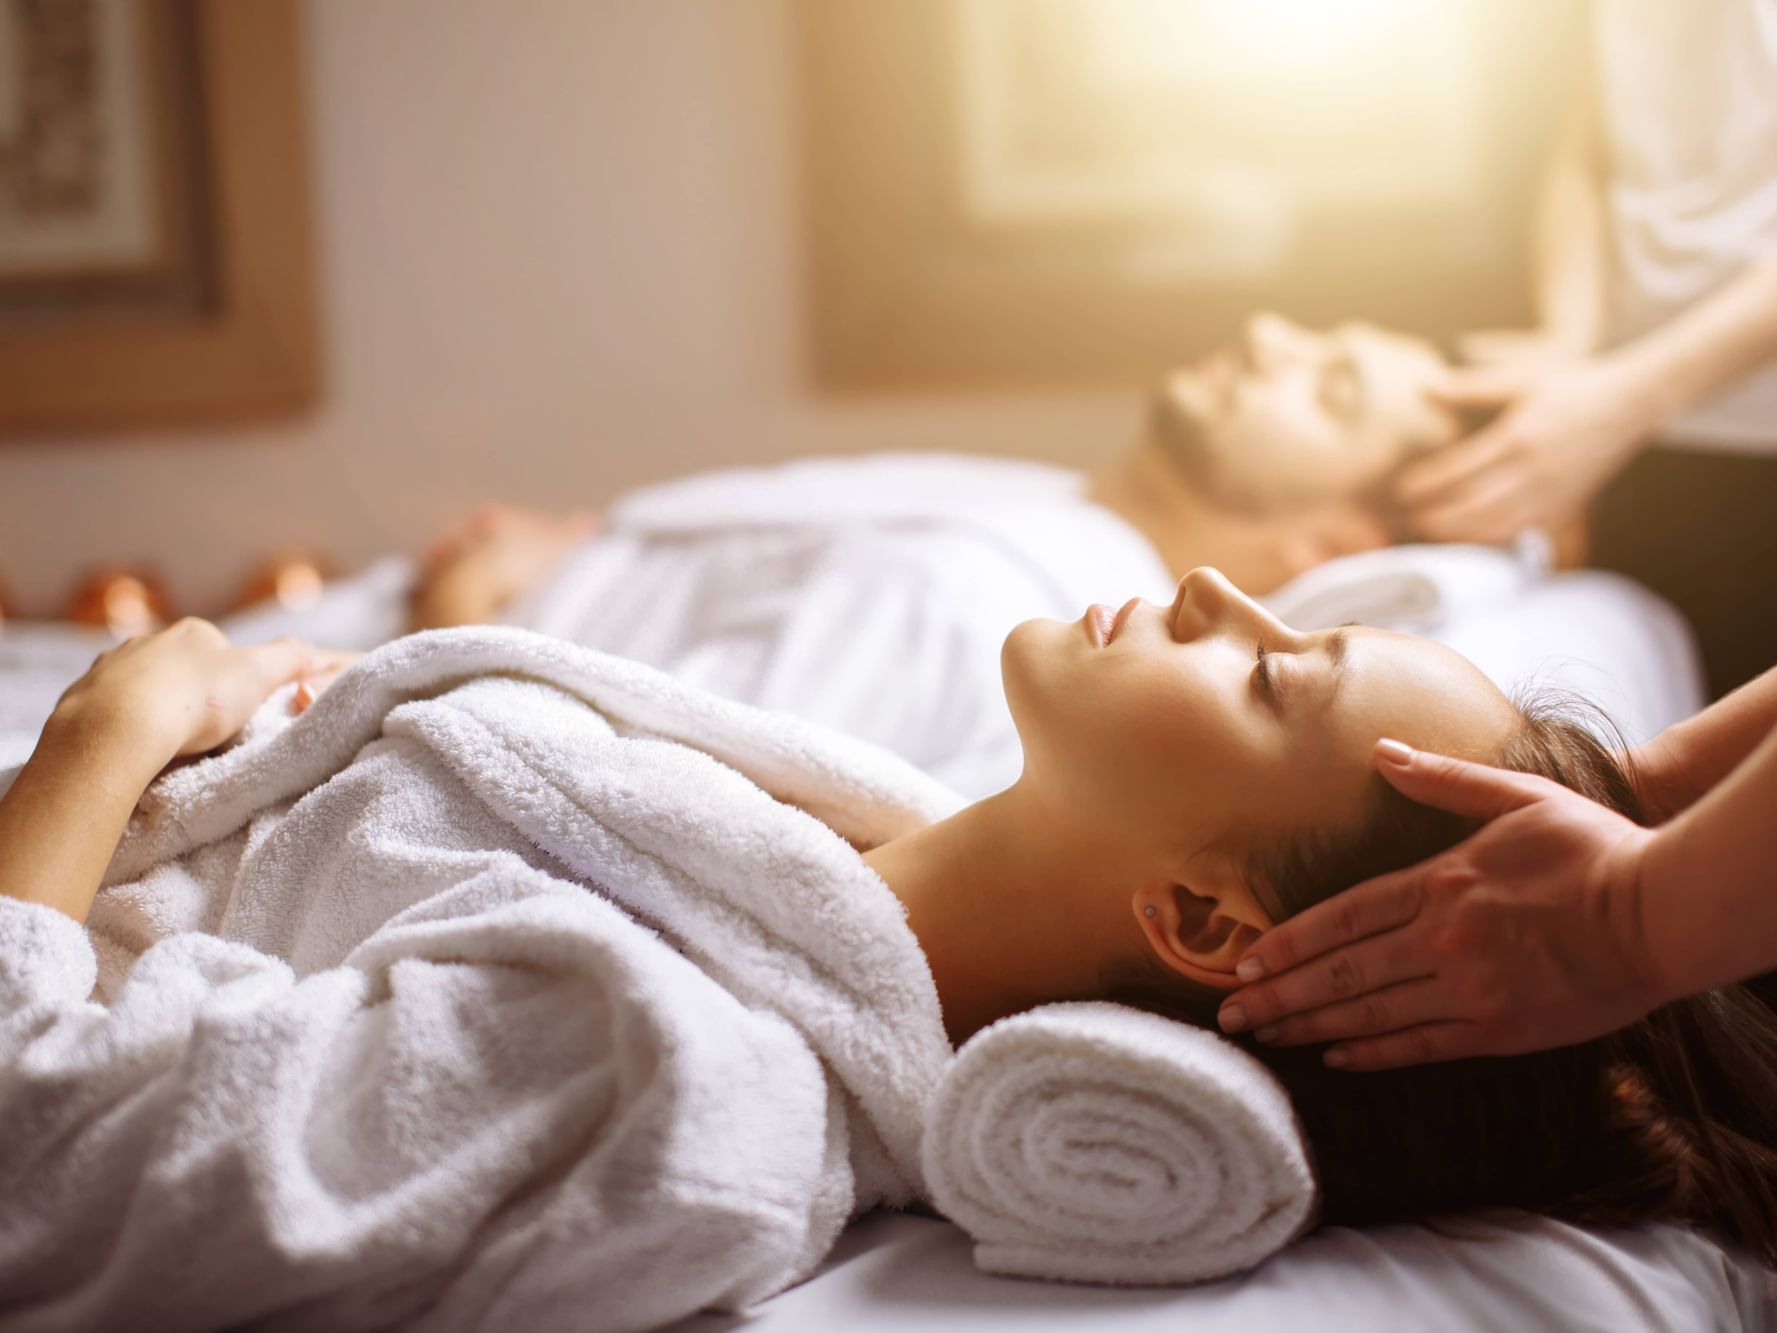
1147 911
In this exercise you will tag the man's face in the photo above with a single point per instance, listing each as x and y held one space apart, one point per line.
1289 417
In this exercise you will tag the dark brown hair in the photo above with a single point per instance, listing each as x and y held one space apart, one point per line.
1672 1118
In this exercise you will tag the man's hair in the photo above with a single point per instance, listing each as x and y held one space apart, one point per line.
1672 1118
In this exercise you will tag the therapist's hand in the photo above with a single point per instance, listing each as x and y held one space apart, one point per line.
1565 427
1525 936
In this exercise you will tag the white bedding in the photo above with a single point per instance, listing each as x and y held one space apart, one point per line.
893 1273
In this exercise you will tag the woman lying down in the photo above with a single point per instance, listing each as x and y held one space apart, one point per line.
518 986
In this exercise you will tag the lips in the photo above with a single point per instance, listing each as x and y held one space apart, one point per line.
1122 617
1100 623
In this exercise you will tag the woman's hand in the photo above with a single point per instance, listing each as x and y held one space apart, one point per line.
1566 426
1526 936
326 667
182 690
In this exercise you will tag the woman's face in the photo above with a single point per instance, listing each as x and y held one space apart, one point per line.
1210 724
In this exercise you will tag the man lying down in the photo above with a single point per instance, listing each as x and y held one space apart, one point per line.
513 985
871 594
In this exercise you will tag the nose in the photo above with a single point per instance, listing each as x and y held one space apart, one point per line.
1208 603
1272 342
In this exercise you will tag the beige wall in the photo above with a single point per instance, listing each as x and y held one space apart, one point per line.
561 256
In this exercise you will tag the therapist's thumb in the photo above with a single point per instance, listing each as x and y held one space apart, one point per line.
1473 790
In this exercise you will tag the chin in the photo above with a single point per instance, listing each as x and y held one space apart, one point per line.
1031 664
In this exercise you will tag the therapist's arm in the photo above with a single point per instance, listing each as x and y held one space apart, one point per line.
1708 892
181 691
1678 766
1569 238
1709 345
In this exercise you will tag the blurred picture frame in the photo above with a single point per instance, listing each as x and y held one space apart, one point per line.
156 251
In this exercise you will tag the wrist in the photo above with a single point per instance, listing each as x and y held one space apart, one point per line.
125 731
1657 774
1651 380
1679 956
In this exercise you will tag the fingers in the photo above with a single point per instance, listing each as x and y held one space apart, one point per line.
1456 785
1384 903
1376 1013
1481 386
1331 983
1492 510
1428 1042
280 661
325 667
1454 467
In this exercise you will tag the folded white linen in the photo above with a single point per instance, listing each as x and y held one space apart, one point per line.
1417 589
1093 1142
511 986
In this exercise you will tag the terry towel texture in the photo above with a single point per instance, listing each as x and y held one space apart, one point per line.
1098 1143
522 1000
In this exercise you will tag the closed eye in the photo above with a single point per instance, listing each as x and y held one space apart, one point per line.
1264 672
1341 388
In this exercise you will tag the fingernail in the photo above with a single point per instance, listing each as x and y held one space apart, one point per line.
1394 751
1232 1018
1337 1059
1249 969
1267 1033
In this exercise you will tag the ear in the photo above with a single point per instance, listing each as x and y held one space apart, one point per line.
1201 929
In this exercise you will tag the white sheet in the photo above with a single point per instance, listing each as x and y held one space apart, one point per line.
894 1273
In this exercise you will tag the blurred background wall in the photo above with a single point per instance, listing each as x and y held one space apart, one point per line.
558 257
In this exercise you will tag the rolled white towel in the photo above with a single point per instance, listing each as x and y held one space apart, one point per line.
1092 1142
1418 589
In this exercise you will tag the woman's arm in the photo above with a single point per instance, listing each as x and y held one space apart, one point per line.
68 806
181 691
1688 759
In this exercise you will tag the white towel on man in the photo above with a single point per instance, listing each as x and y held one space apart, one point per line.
513 986
1097 1143
870 594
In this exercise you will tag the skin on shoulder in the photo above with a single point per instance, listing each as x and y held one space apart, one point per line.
1162 745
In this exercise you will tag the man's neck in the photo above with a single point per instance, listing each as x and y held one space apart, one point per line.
1146 492
1257 552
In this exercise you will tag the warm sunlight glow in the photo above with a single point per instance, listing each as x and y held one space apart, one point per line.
1228 119
1261 40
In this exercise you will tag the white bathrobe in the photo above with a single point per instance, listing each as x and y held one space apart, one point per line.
514 986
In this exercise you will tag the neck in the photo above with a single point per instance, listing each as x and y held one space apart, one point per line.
1144 488
1006 920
